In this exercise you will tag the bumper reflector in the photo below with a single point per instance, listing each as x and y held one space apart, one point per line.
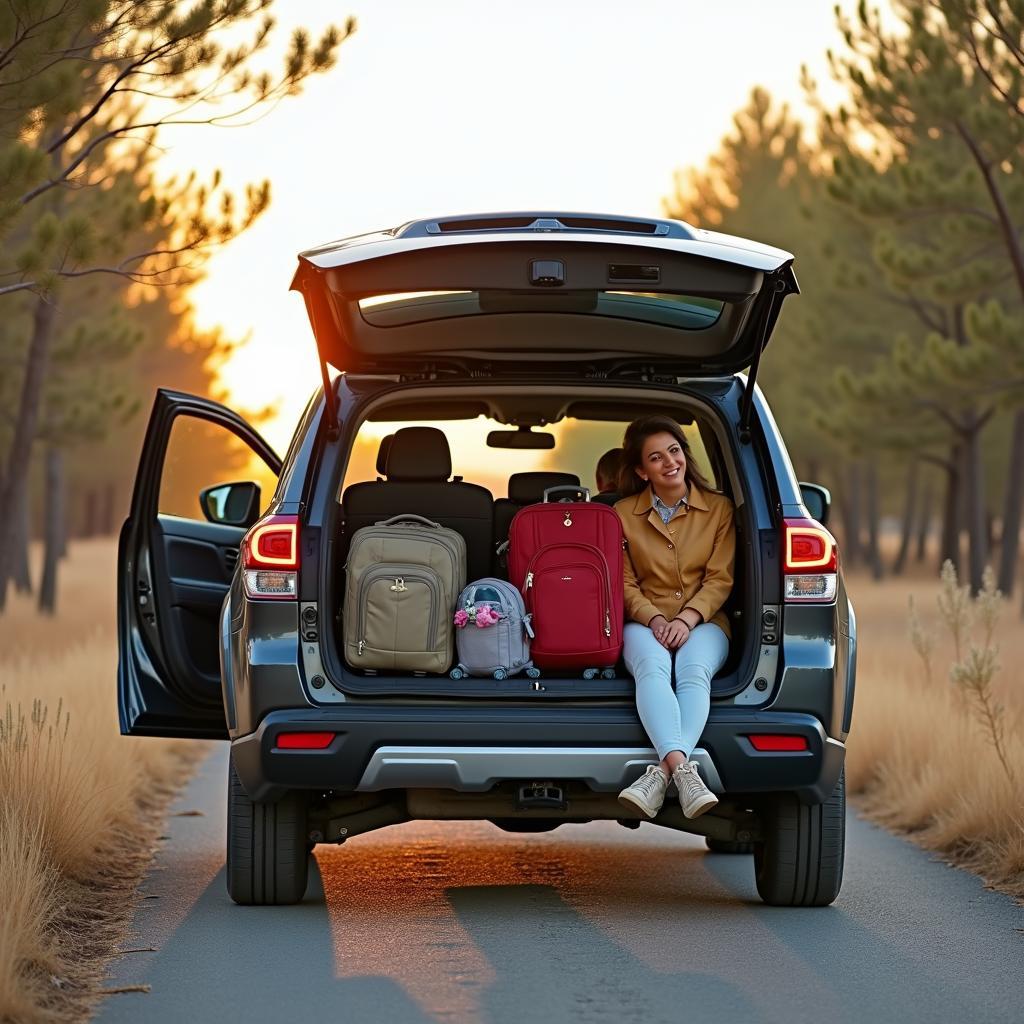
777 743
304 740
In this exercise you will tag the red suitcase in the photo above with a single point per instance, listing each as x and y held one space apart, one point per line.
566 560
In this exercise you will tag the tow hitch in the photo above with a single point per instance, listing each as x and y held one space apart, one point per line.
533 796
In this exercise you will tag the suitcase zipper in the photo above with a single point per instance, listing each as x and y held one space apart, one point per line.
399 574
606 580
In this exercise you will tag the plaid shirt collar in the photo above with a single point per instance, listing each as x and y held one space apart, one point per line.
665 511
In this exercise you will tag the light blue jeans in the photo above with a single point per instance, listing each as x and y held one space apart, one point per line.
675 719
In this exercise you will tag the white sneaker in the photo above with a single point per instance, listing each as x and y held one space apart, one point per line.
694 797
647 794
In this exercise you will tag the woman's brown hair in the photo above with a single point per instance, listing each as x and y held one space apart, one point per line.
633 452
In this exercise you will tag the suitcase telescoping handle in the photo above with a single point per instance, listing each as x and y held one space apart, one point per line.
572 492
409 517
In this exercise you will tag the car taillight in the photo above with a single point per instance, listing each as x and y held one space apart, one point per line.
810 561
270 558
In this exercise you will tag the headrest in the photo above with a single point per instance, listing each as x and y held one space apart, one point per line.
382 454
529 488
419 454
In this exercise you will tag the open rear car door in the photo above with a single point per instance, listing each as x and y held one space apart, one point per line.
174 572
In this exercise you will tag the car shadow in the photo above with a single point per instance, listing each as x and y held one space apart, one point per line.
225 962
556 964
913 957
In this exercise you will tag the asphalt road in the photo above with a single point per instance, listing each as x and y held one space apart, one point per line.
462 922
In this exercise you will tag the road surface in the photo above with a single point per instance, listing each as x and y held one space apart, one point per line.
590 923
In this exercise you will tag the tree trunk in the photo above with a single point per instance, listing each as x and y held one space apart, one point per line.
850 506
21 574
108 527
924 523
974 488
15 482
909 518
53 529
1012 507
871 507
949 547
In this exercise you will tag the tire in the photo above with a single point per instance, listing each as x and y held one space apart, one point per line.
799 862
728 846
268 854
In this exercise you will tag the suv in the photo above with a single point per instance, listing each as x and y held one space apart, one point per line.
230 626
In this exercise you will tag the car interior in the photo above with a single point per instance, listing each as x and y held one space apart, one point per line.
431 457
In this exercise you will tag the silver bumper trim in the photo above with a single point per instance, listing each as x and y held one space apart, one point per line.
477 769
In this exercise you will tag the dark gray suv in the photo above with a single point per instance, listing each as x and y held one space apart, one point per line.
230 620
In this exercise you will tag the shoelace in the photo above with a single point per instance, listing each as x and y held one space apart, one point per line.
688 774
650 781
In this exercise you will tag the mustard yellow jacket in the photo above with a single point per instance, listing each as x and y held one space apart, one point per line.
686 564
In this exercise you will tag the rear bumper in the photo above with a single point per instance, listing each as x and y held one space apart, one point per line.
471 749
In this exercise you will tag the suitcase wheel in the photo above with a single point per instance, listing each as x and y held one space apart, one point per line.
533 673
457 673
608 673
590 673
500 673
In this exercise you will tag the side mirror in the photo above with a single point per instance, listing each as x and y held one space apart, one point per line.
236 504
817 500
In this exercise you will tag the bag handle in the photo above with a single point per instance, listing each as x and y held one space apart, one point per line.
409 517
578 493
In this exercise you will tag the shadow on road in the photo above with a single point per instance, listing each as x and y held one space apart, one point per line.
554 964
228 963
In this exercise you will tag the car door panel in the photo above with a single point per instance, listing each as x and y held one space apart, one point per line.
174 574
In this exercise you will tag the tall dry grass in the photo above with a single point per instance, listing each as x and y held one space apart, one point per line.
937 748
79 804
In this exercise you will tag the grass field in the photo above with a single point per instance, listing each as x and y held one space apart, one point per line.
922 757
81 806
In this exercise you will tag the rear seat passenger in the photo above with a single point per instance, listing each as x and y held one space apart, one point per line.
418 465
523 489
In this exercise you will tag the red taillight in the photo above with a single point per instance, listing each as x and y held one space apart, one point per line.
270 558
304 740
273 543
778 743
808 547
810 562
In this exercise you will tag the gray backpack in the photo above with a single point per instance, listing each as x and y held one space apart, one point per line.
403 577
492 631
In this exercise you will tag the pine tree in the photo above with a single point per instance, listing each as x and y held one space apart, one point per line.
937 181
85 88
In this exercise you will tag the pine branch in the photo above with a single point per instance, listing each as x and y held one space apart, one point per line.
6 57
1005 36
20 287
979 62
277 93
1008 229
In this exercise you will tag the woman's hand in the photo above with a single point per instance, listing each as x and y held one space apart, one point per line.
669 634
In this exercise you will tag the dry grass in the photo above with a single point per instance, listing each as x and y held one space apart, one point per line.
80 805
938 759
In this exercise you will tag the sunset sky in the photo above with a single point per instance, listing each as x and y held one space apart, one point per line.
457 107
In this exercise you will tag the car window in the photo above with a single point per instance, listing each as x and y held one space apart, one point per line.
201 454
578 445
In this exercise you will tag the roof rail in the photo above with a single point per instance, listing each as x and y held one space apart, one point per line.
545 221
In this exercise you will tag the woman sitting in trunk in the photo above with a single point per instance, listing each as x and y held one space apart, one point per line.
678 573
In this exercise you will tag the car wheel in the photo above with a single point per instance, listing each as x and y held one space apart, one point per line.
799 861
268 856
728 846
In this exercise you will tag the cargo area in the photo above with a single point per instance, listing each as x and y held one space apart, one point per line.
470 463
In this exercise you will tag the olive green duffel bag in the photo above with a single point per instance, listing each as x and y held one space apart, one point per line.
403 577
